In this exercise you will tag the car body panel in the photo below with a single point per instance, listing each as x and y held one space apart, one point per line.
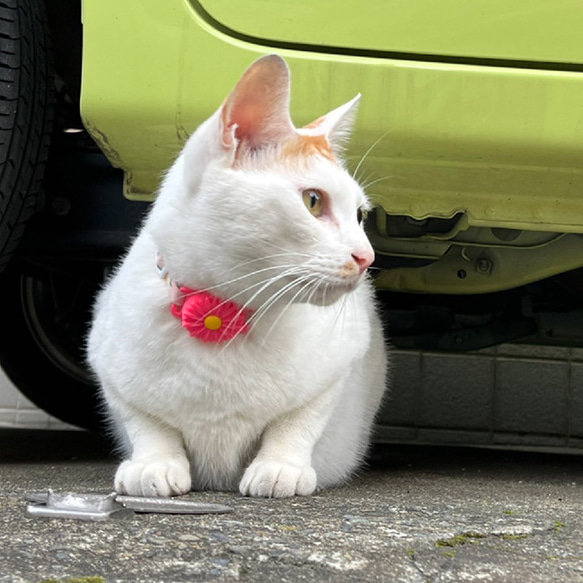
526 30
496 145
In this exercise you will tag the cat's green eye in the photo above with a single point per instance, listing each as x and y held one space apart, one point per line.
314 201
361 215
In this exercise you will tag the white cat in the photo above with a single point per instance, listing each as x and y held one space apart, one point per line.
238 343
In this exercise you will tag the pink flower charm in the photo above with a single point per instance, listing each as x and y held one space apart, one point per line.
209 318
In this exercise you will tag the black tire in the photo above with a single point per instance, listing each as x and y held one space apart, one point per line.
44 315
26 116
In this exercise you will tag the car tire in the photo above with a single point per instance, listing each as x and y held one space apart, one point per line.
26 116
44 315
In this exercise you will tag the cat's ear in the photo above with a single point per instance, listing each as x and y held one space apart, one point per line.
257 110
335 126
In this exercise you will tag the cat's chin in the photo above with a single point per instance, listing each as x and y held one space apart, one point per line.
331 295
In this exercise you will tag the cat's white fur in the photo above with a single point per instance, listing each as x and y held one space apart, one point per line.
289 406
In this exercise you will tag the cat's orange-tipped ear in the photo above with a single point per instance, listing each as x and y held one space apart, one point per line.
335 126
257 110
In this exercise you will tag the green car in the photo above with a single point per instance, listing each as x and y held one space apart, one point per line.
469 141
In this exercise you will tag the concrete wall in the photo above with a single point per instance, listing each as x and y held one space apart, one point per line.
509 395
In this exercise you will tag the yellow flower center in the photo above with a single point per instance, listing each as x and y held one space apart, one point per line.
212 322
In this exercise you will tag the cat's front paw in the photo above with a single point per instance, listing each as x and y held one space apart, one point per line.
153 476
270 479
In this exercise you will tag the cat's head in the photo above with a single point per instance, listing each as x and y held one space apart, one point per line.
260 210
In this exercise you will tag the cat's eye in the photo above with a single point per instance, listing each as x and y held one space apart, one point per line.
361 215
314 201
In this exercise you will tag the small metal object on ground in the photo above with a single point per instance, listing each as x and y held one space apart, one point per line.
105 506
79 506
170 505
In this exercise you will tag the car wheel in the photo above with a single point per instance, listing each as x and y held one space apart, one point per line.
26 115
44 317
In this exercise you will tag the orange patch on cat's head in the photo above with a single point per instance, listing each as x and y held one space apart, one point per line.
302 146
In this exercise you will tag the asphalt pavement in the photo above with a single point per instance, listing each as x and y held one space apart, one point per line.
415 515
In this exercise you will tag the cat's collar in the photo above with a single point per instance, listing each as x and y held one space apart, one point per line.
204 315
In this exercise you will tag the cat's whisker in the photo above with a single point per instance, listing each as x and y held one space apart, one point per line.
238 279
317 284
368 185
296 270
297 253
366 179
287 306
264 285
324 293
366 154
256 272
272 300
267 257
269 302
339 313
257 315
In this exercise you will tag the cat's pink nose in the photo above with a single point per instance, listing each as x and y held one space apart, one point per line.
363 259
